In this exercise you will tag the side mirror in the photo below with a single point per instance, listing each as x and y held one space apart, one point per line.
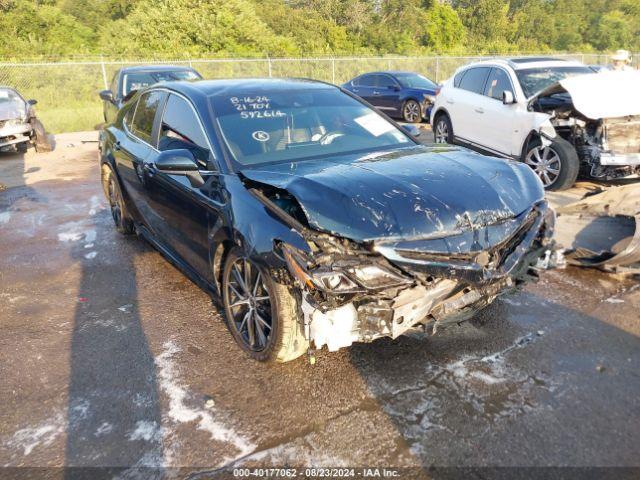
176 161
395 88
32 102
106 95
180 162
412 130
507 97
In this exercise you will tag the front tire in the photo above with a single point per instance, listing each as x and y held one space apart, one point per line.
556 165
261 314
412 112
40 140
442 129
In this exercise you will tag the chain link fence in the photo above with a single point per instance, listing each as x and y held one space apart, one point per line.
67 91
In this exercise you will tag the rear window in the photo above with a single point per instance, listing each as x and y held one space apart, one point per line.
140 80
474 79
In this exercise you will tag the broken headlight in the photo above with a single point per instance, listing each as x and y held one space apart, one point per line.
352 279
334 282
373 276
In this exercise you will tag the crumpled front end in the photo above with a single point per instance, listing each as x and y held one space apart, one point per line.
600 116
358 292
14 131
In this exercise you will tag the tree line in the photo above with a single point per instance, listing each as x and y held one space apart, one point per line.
248 28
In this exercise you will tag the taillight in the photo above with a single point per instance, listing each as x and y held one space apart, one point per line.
438 88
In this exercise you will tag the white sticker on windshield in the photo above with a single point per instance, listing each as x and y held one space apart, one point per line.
374 124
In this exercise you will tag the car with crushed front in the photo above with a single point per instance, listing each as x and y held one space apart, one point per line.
314 220
19 126
557 116
408 96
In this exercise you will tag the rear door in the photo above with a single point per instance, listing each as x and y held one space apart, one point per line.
134 148
387 94
183 210
365 87
467 109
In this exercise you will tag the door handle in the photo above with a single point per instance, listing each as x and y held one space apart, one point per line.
150 169
479 110
376 93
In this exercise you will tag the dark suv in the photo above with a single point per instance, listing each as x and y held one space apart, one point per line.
131 79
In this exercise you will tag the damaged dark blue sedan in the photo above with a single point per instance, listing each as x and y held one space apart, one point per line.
314 220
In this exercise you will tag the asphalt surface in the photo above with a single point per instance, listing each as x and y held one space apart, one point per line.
109 356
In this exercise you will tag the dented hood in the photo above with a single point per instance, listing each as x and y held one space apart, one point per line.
601 95
418 192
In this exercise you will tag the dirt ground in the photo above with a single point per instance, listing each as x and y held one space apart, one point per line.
110 357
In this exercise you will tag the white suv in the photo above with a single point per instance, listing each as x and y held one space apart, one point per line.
557 116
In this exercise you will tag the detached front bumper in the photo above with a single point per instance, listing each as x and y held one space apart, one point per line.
14 133
610 159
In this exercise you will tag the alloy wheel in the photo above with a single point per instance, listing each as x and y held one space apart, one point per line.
442 132
545 162
249 304
115 201
411 112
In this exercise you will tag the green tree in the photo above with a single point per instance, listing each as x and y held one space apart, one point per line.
194 28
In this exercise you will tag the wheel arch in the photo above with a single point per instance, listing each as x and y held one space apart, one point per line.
440 111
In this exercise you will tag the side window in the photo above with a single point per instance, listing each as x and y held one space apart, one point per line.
367 81
129 116
384 81
474 79
181 129
498 82
458 78
145 114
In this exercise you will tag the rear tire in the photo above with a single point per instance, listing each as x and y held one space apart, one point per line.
412 112
119 211
248 309
442 129
557 165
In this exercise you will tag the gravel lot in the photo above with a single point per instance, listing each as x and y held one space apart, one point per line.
109 356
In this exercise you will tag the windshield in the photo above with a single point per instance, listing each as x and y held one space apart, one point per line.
11 104
296 125
413 80
534 80
138 80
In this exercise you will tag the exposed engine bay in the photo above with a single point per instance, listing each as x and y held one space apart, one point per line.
606 136
358 292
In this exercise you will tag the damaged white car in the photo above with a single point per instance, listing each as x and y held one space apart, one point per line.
19 126
557 116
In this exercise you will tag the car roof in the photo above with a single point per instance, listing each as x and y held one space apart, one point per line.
390 72
522 63
154 68
254 86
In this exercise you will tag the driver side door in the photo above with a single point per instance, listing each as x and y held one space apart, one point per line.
185 209
499 126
